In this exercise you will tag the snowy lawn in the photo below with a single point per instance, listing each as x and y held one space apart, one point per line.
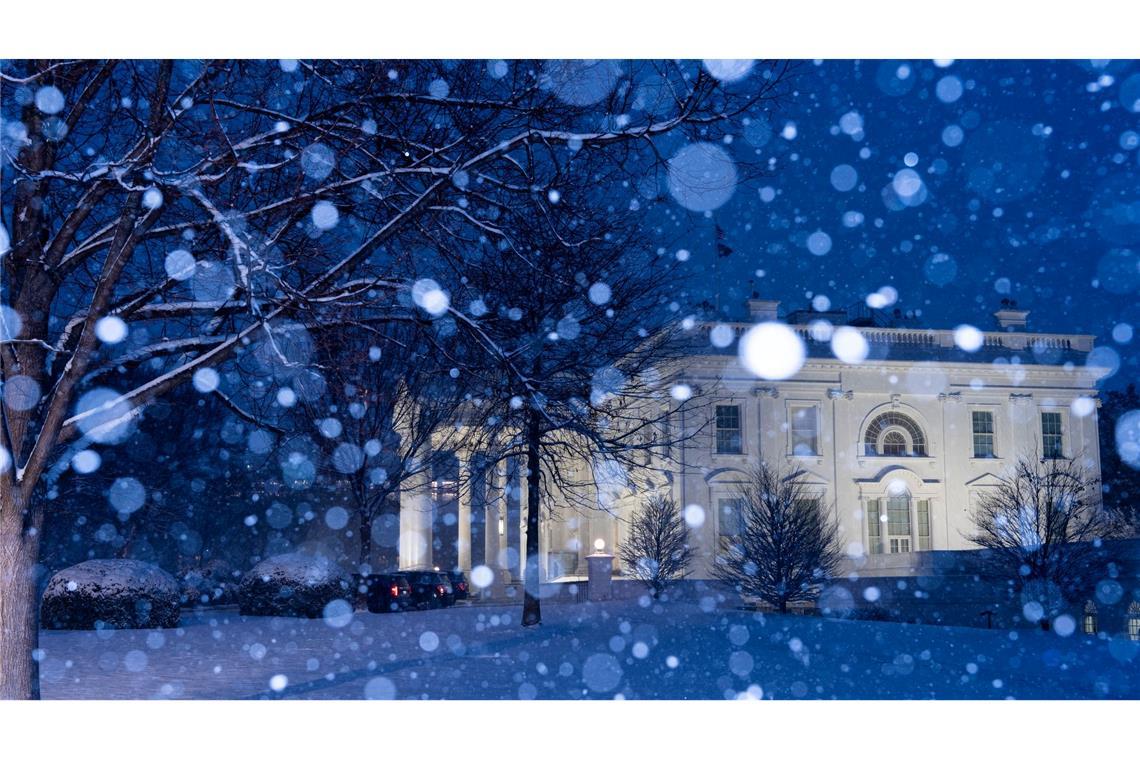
581 651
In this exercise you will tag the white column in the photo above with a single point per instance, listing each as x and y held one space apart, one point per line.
511 542
415 523
493 512
464 487
524 504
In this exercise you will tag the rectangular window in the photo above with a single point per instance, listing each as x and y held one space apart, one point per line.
1089 623
983 423
728 516
805 431
874 528
898 524
728 438
924 525
1051 435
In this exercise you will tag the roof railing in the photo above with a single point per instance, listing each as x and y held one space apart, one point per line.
1014 341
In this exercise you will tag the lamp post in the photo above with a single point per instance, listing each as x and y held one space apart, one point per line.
600 571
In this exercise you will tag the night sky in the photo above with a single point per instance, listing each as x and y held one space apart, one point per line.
1024 183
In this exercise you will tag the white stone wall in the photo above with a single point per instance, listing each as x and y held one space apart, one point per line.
938 397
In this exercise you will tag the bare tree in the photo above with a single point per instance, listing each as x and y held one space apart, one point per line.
393 399
787 545
1041 524
174 216
583 310
657 550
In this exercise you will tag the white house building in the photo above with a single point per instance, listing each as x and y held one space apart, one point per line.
899 443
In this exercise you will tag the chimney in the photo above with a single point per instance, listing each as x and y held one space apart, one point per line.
761 310
1009 317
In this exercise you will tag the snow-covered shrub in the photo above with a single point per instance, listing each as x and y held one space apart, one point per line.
296 585
111 593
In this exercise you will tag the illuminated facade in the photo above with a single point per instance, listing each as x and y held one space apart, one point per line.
899 443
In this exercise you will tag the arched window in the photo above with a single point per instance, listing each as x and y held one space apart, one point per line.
893 434
1088 622
894 445
1134 621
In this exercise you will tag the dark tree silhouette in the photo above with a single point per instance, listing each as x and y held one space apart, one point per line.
214 210
788 543
657 550
398 406
1041 524
1120 480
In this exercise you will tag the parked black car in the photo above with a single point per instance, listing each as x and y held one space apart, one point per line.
388 592
459 584
430 589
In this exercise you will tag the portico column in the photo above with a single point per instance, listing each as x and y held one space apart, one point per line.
491 518
524 505
478 489
415 522
465 484
512 507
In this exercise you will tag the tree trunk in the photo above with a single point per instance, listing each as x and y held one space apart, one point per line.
19 608
783 606
532 611
365 557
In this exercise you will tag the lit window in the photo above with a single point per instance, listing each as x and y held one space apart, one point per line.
728 438
894 444
805 431
874 528
1088 622
923 510
1134 621
898 524
885 431
1051 435
983 423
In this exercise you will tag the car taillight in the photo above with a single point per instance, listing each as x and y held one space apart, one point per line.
441 590
395 590
462 586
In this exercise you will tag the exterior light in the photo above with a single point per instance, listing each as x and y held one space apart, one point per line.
599 544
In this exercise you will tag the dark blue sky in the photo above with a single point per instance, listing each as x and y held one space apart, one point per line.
1026 185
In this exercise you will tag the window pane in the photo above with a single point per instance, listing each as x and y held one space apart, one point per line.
894 419
804 427
898 516
729 512
1051 440
894 445
874 527
728 439
983 428
924 525
728 416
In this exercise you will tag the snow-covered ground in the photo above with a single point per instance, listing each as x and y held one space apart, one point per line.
682 650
